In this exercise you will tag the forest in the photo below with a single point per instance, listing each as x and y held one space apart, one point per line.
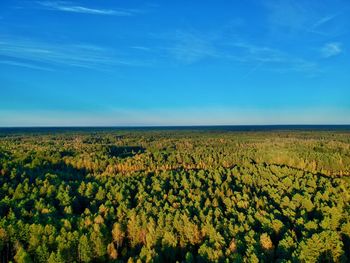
174 195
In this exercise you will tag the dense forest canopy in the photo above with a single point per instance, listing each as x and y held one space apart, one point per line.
174 195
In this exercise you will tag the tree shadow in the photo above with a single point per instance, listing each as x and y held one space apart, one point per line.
124 151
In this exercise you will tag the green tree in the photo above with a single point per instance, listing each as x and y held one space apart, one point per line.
118 234
84 249
22 256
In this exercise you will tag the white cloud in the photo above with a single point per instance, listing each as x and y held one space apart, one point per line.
24 65
271 59
299 17
189 48
69 7
324 20
40 54
252 52
287 14
331 49
142 48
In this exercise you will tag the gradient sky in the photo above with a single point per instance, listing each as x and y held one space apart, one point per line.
104 62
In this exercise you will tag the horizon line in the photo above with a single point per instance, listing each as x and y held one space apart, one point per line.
170 126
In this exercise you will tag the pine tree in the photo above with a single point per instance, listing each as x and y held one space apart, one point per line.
112 252
84 249
22 256
118 234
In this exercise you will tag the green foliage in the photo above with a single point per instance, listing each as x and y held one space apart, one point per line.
22 256
175 196
325 246
84 249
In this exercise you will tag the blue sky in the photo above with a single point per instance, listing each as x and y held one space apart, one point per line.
104 62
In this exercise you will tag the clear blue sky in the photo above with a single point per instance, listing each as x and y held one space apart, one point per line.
104 62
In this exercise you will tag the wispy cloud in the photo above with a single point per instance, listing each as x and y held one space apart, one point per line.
253 69
188 47
293 17
252 52
324 20
269 58
142 48
44 54
71 7
25 65
331 49
287 14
